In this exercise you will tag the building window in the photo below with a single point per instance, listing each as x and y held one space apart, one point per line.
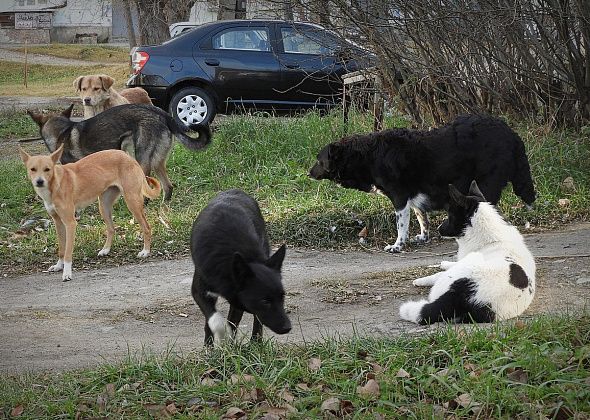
30 2
21 2
41 1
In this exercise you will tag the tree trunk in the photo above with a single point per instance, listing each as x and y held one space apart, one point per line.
227 10
129 19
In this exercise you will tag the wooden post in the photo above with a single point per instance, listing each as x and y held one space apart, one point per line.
26 64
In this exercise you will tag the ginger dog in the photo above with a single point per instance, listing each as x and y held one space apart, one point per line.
97 94
104 175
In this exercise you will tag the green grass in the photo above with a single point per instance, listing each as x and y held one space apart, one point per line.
270 158
97 53
537 369
16 125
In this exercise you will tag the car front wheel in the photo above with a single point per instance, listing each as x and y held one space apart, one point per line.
191 106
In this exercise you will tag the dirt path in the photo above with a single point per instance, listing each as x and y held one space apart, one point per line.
101 315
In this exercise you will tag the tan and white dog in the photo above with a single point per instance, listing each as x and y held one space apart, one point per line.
97 94
104 175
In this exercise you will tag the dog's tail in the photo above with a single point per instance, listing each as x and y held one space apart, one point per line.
191 143
522 182
151 187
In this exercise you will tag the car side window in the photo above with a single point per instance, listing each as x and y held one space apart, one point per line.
299 41
249 39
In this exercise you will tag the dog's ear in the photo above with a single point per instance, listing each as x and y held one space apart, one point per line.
276 260
38 117
240 270
107 81
475 191
78 83
55 156
68 111
23 155
456 196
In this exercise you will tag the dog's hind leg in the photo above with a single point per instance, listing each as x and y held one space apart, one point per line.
214 324
105 205
402 219
234 317
422 217
162 175
134 201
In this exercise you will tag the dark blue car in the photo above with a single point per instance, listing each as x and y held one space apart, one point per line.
227 66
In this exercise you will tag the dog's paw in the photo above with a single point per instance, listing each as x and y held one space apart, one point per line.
410 311
58 266
424 281
104 252
394 249
422 238
67 274
143 253
445 265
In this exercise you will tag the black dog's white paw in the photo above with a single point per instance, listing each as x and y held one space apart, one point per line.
394 249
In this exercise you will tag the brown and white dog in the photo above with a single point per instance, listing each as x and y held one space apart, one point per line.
97 94
104 175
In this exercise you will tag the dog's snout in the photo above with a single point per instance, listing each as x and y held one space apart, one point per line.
87 101
39 182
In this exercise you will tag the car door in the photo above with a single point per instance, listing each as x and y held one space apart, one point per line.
241 64
311 68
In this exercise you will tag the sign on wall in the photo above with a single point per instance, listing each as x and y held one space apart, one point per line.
32 20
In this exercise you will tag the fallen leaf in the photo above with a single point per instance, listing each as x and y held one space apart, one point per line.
234 413
518 375
346 407
286 395
110 390
314 364
332 405
564 202
171 408
270 416
376 368
209 381
211 373
519 325
364 232
101 402
157 410
362 354
464 400
568 184
235 379
370 375
442 372
401 373
370 389
17 411
562 413
302 387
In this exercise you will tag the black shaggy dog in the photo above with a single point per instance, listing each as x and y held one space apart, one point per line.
414 168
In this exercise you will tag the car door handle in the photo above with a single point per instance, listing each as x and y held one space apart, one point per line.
292 66
212 62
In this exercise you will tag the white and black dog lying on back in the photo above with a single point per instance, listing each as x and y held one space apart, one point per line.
494 276
231 253
414 168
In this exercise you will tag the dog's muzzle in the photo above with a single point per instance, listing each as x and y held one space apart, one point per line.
39 182
87 101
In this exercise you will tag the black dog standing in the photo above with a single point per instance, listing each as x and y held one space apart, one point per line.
231 253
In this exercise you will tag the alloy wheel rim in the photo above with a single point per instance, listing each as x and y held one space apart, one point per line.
192 109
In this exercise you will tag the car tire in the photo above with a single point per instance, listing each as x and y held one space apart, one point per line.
192 106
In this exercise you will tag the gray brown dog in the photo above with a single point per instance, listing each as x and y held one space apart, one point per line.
145 132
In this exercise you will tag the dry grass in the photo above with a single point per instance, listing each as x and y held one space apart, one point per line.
97 53
48 81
